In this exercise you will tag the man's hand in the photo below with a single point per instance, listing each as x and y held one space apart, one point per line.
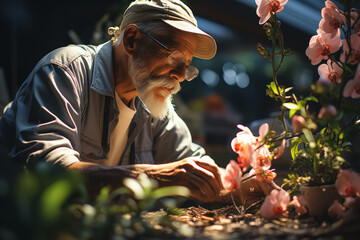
202 178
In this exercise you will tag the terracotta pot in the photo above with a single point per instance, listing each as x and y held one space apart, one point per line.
319 199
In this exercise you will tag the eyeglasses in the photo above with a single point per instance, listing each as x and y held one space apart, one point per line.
176 59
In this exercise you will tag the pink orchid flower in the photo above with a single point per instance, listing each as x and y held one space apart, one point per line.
243 146
232 176
261 158
275 204
321 45
261 154
331 71
266 6
336 210
261 174
354 58
327 111
281 149
299 203
348 184
352 87
330 4
332 19
249 150
298 122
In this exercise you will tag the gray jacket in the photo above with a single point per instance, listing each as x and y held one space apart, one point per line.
65 111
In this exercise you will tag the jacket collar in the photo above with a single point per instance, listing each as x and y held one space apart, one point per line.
103 77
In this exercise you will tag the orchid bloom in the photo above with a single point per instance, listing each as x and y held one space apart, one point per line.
354 58
352 87
299 203
281 149
261 158
331 71
243 146
275 204
298 122
266 6
261 174
348 184
232 176
332 19
336 210
330 4
321 45
261 155
249 150
327 111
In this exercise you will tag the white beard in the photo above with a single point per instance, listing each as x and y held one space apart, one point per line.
154 92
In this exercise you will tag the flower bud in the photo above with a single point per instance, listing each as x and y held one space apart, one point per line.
327 111
298 122
267 26
261 50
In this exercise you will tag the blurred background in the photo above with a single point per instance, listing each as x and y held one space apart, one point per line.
230 89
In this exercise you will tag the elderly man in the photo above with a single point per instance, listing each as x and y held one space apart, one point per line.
106 110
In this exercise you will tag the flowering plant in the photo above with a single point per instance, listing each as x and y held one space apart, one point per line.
324 122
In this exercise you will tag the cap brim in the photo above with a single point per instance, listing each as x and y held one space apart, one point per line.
206 45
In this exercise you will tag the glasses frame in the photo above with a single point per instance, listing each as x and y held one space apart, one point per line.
191 72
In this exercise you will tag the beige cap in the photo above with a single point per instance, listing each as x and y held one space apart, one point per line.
176 14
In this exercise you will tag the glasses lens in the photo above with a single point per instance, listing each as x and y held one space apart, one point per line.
176 58
191 73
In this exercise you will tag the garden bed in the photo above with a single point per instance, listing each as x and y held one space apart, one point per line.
228 223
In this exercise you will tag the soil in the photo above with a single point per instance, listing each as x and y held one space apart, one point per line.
232 223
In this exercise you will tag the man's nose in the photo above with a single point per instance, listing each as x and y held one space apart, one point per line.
178 73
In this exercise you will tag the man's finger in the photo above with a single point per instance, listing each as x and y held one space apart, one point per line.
205 179
214 169
199 187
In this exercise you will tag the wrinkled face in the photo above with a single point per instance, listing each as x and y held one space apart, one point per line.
155 80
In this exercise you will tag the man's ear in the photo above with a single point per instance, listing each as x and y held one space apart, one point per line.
130 39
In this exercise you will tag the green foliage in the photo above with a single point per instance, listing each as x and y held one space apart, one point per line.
48 202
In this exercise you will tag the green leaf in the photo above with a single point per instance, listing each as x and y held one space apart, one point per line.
119 192
135 187
309 137
292 112
273 88
147 184
288 89
53 198
295 147
340 159
171 191
291 106
311 98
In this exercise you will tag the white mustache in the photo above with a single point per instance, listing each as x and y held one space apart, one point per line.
166 82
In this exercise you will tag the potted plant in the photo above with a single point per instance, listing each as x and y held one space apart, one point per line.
324 122
328 119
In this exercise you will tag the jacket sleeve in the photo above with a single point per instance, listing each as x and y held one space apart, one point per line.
47 113
173 141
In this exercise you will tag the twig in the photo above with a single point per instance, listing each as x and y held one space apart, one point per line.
241 211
